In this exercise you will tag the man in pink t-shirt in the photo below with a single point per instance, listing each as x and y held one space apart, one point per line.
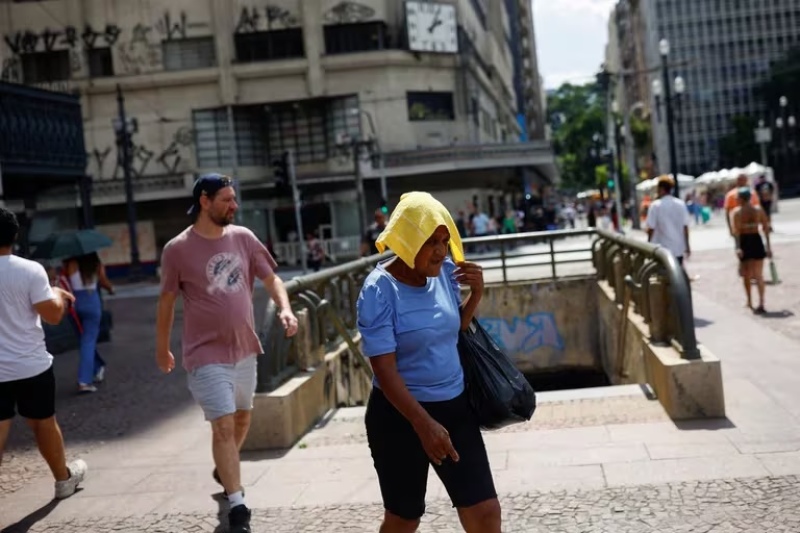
213 265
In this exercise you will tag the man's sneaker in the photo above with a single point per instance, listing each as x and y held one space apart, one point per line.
239 520
66 488
215 475
101 375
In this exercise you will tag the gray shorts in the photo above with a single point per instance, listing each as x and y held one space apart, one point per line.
222 389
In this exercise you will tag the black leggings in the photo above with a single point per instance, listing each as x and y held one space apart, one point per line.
402 464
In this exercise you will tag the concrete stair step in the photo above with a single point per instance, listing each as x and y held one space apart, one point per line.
621 404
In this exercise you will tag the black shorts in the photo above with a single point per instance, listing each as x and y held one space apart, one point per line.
402 464
33 398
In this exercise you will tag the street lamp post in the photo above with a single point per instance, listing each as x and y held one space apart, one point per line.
666 85
124 127
618 166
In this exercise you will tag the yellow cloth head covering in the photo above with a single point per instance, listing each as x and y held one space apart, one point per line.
413 222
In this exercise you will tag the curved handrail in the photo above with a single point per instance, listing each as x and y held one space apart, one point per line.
678 286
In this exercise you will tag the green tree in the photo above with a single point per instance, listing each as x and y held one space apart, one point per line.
641 130
739 148
576 114
602 175
783 80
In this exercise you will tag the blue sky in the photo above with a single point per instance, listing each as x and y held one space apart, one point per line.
571 37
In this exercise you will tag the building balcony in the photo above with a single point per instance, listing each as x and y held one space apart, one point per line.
41 140
466 158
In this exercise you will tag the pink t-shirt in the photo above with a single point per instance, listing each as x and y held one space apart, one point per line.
215 278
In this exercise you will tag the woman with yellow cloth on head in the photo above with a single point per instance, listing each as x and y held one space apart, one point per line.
410 312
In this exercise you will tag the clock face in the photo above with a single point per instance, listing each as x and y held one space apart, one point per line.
432 27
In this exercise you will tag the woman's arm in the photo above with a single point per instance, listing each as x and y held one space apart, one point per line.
470 274
434 437
766 227
103 280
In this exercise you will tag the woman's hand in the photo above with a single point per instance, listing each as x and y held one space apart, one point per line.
739 253
470 274
769 253
436 441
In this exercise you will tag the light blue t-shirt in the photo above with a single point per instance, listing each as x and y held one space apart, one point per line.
418 324
480 224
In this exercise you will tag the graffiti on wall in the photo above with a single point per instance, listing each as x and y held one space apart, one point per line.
140 52
12 70
172 28
252 19
524 335
26 42
173 159
348 13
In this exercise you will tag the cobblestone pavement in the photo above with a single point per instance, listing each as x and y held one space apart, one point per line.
751 505
719 281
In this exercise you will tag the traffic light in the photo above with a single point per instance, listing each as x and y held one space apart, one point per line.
384 207
281 170
610 184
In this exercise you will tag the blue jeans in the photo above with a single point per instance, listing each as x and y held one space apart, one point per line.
90 311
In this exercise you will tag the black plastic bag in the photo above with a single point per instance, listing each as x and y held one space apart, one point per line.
498 392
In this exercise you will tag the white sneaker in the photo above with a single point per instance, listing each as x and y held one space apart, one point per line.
77 471
101 375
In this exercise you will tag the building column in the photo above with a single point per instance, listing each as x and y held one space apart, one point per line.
222 12
314 42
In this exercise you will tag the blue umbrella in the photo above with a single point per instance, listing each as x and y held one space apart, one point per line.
71 244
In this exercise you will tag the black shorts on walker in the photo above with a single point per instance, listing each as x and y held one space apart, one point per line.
402 464
33 398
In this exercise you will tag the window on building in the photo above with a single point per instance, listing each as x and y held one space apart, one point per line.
430 106
186 54
100 62
310 128
271 45
360 37
39 67
212 138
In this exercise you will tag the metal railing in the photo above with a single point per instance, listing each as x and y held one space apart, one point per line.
330 296
638 265
529 256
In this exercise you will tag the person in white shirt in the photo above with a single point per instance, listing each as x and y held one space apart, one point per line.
27 382
668 221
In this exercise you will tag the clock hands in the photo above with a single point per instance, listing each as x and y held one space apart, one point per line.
437 21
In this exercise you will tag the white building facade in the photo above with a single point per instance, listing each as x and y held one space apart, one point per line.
431 82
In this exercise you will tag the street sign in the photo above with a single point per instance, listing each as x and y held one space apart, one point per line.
763 135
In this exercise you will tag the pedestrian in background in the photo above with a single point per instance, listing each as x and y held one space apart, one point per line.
85 276
668 221
213 265
747 219
27 382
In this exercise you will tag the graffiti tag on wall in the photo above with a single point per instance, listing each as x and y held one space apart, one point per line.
170 161
524 335
265 19
348 13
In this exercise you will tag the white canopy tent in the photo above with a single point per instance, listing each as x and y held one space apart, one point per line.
727 176
685 183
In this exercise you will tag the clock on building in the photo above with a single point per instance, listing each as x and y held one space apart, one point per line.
432 27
